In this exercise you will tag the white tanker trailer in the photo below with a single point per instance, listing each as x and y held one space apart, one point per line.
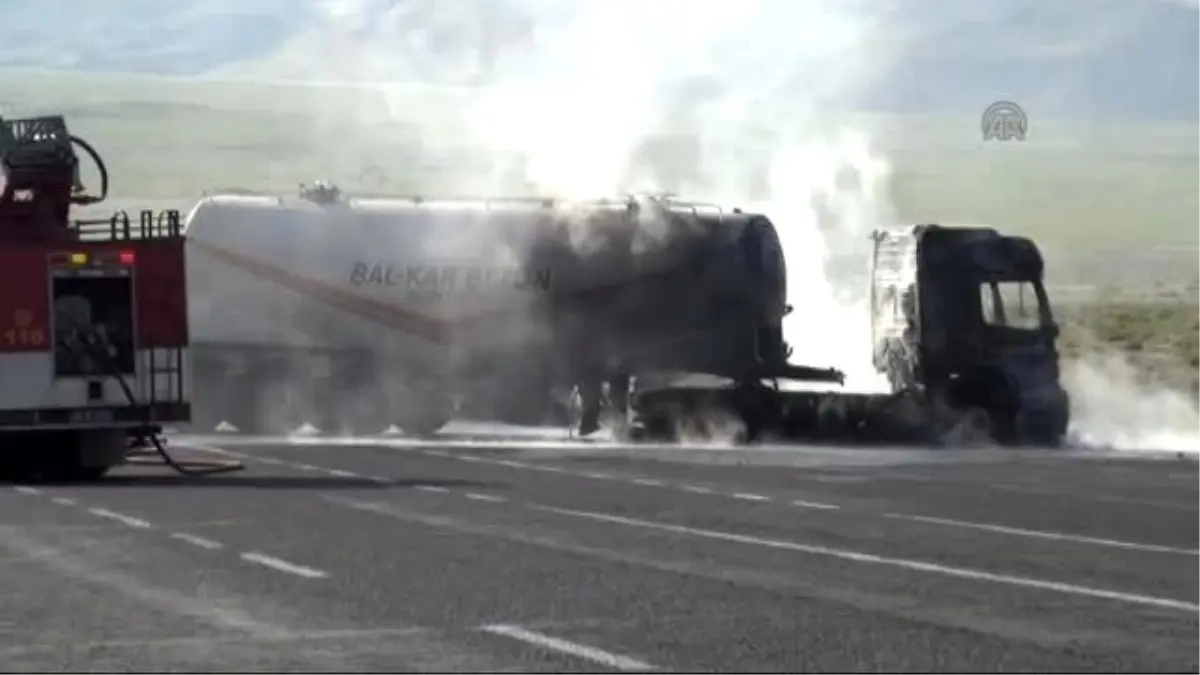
356 314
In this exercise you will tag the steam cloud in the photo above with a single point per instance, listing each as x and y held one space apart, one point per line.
722 101
1112 408
624 95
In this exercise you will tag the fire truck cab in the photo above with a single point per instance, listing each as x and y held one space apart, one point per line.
93 313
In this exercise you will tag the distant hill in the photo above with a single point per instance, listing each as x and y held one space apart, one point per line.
1094 60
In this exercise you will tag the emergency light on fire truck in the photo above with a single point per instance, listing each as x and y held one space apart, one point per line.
99 259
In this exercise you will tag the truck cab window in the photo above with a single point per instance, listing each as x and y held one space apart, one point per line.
1013 304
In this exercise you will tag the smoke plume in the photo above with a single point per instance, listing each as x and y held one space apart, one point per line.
1112 407
620 96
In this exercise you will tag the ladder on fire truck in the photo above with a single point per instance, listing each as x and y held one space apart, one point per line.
149 447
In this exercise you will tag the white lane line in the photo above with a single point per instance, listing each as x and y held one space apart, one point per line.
121 518
869 558
648 482
284 566
596 474
28 490
306 467
432 488
593 654
814 505
340 473
197 541
484 498
545 469
63 501
511 464
698 489
1038 534
469 458
750 497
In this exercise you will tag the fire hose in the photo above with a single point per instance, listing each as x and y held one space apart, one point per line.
88 342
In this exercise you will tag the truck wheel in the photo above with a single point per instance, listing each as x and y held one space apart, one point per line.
1047 429
91 473
76 474
423 423
425 417
17 468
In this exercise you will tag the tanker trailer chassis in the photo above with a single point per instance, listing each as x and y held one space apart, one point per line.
962 328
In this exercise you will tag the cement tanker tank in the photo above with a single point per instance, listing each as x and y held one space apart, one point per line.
357 314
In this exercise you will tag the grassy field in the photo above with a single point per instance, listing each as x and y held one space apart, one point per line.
1076 187
1115 208
1161 340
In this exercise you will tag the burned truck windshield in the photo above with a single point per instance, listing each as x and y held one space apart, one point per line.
1014 304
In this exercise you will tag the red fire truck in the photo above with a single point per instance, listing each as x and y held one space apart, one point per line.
93 314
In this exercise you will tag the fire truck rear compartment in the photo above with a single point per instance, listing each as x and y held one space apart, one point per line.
87 307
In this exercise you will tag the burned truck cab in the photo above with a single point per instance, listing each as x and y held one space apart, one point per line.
961 317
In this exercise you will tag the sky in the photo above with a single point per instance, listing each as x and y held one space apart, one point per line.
1099 59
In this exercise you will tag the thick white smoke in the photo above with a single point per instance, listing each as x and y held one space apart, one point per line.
596 99
1113 408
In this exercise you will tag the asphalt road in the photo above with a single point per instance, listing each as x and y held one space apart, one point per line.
536 555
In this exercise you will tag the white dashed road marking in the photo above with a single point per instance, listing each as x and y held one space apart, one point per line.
432 488
284 566
746 496
814 505
197 541
483 498
597 656
121 518
545 469
63 501
25 490
340 473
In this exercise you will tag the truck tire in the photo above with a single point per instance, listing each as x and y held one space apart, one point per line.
77 474
425 415
423 422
